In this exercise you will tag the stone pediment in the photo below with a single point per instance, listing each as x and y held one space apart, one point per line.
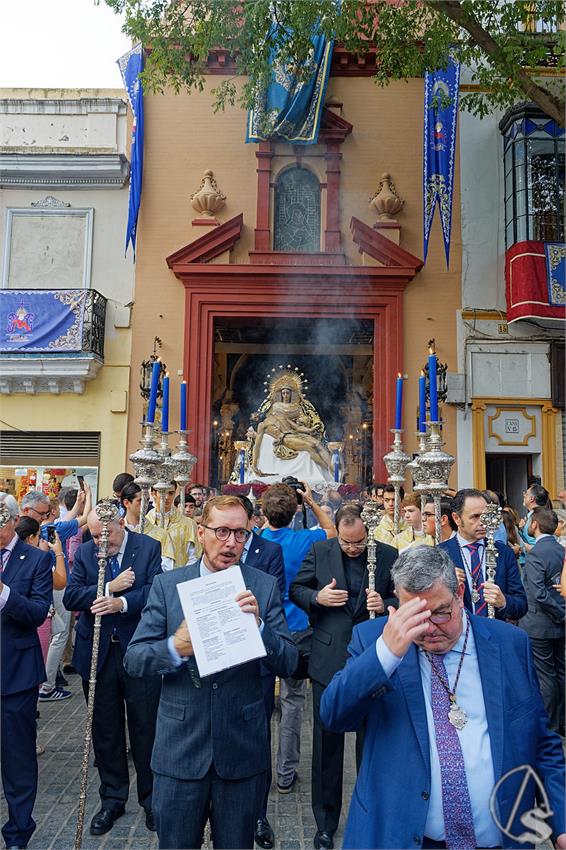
211 245
382 249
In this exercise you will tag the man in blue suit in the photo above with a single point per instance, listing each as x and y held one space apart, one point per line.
211 747
267 556
452 709
26 585
468 553
133 562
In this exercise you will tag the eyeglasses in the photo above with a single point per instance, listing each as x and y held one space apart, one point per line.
427 515
41 513
439 617
222 533
353 544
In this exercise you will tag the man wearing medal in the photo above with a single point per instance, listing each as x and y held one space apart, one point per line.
467 550
454 702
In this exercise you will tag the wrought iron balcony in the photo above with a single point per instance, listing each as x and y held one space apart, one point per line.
51 340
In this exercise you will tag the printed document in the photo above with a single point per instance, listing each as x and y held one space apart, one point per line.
221 633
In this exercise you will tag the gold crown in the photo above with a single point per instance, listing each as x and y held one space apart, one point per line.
285 379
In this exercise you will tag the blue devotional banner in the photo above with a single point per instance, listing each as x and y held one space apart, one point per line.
439 146
48 321
290 108
131 65
555 253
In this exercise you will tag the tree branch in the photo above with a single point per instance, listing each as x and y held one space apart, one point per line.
549 104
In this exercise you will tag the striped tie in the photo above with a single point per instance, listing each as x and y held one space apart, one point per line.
477 578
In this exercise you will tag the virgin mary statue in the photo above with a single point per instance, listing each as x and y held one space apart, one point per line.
289 438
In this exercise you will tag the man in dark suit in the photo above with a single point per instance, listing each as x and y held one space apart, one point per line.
544 621
211 745
26 585
133 562
453 720
267 556
332 587
468 553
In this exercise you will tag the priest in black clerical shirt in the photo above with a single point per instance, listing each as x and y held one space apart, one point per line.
332 587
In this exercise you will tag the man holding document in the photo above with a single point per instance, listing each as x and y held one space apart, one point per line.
211 751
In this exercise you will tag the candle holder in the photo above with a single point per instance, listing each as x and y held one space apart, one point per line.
166 469
183 466
437 465
416 470
370 517
242 447
336 448
145 462
491 519
396 462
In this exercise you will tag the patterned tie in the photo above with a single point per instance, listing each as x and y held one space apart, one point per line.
114 565
4 558
480 607
458 820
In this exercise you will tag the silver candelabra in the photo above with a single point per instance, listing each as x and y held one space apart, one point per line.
396 462
436 466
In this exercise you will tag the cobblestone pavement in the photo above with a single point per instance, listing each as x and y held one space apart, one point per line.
61 730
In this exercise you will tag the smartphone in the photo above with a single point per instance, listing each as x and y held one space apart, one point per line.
81 480
51 534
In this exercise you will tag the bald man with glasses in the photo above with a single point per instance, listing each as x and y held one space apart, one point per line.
211 750
332 587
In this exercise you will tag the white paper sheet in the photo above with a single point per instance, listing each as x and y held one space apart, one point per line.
221 633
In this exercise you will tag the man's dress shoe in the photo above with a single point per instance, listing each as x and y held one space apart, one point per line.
264 836
104 821
150 820
323 839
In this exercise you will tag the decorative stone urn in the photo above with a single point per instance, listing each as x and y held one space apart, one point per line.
209 199
386 202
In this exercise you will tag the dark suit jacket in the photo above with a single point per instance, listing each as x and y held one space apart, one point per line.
143 555
393 711
29 577
547 609
218 719
332 627
507 578
267 556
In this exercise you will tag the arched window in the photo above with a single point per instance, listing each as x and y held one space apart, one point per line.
297 211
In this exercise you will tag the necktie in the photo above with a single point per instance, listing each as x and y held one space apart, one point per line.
480 605
458 820
4 558
114 565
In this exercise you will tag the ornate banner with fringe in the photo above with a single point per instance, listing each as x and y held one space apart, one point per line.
131 66
291 107
439 148
36 320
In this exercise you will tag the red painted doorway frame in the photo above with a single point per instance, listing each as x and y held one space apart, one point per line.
273 291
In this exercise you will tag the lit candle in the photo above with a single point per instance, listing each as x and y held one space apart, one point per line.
155 373
183 422
165 405
432 385
399 402
422 403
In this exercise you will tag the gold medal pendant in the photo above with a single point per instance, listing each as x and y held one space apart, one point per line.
456 715
475 596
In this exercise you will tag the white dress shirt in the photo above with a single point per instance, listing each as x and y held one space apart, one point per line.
119 556
467 559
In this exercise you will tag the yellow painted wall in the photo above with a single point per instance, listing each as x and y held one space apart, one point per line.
87 412
183 137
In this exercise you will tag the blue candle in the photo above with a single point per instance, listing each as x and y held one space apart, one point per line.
399 402
183 419
336 466
165 406
432 386
242 466
155 373
422 403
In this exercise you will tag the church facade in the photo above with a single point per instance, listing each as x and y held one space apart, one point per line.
252 257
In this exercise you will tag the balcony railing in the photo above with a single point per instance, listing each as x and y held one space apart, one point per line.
52 322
